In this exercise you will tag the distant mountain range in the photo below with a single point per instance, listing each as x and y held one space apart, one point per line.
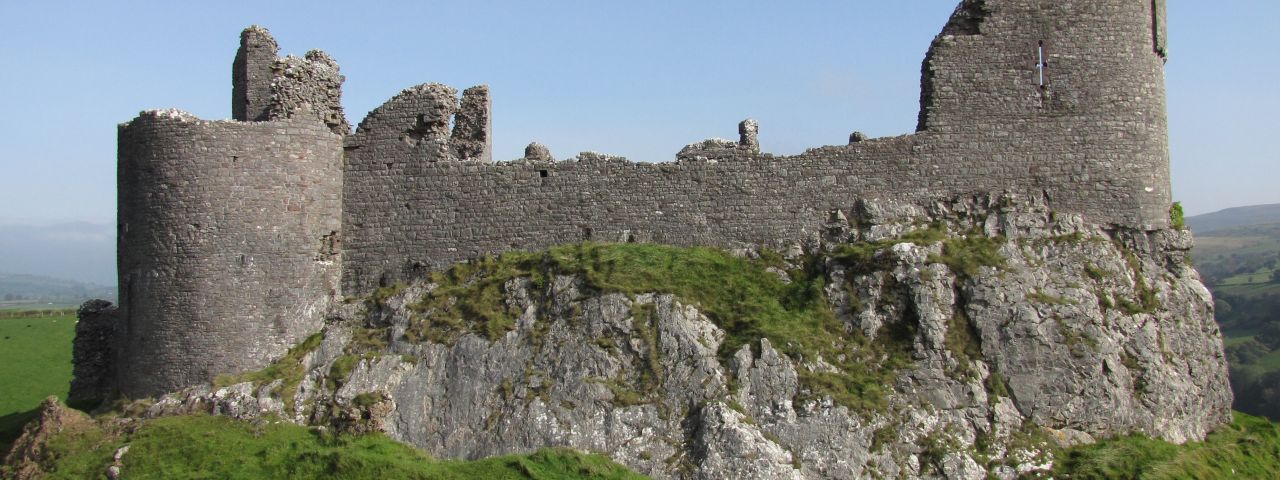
1235 217
80 251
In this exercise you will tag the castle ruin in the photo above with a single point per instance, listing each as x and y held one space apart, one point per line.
235 236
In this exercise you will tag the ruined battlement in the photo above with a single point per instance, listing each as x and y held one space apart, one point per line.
234 234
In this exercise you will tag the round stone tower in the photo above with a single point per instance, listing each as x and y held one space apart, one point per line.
227 244
1069 95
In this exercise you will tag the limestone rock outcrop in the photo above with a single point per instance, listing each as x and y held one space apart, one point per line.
1018 328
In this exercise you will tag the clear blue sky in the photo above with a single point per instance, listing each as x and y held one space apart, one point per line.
639 79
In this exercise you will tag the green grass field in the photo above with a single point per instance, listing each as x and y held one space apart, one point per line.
1261 276
1240 261
1249 290
1212 245
35 362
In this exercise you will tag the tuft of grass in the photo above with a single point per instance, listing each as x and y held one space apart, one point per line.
365 344
883 436
1176 218
340 369
1248 447
382 294
964 342
368 399
1095 272
644 326
288 368
470 298
219 447
624 394
1145 300
1078 343
966 255
1039 296
867 257
996 387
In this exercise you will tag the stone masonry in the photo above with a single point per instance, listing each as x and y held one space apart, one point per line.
233 234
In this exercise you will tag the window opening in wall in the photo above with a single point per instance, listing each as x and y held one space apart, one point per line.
542 173
1041 63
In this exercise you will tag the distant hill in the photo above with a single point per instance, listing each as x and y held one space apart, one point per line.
1235 217
21 289
81 251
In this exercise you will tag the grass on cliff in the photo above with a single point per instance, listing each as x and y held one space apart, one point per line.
35 362
740 295
1249 447
288 369
219 447
745 297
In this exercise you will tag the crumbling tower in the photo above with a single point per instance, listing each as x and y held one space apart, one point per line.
251 75
228 230
1069 94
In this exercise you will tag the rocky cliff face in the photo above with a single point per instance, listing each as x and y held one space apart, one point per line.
956 339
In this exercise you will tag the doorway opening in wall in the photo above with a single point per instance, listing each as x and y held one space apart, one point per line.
542 173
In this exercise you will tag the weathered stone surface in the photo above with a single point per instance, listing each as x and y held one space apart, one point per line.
30 454
309 86
537 152
749 135
472 137
708 149
94 353
251 75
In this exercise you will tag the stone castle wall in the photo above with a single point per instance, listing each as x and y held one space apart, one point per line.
231 229
1089 134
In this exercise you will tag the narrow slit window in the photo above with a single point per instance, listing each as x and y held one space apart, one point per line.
1042 63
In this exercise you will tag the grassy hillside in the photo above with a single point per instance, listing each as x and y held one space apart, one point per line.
1247 448
35 362
1235 217
29 291
219 447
